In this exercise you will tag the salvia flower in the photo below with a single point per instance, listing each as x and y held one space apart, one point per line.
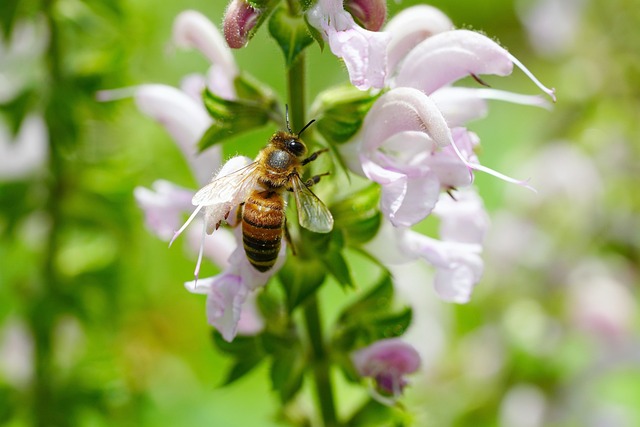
387 362
363 51
230 295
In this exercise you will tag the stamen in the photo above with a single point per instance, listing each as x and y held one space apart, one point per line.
516 98
177 233
196 272
551 92
479 167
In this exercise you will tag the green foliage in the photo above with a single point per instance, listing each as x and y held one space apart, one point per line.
340 112
370 318
358 216
290 32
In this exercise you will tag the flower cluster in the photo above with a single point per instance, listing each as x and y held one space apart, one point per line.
410 139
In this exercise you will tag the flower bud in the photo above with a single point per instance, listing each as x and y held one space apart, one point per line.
369 13
239 20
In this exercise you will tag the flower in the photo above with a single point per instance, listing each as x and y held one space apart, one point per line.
27 153
387 362
363 51
230 304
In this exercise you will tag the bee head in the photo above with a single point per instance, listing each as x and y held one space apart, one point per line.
295 146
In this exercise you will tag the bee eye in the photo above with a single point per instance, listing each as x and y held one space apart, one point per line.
295 146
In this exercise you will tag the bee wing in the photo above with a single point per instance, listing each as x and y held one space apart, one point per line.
312 213
232 188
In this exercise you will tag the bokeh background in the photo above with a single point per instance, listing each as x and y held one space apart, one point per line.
96 328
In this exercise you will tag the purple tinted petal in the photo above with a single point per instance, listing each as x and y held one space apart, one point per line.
410 200
411 26
163 207
449 56
239 19
370 13
224 304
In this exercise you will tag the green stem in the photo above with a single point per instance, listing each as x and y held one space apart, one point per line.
296 93
321 372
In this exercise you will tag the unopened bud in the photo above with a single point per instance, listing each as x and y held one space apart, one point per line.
240 19
369 13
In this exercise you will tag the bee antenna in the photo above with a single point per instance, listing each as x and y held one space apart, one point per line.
286 115
305 127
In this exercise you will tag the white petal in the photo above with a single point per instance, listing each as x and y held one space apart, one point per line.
194 30
449 56
163 206
411 26
27 153
404 109
185 119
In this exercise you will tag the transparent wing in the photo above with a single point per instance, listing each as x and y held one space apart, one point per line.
312 213
232 188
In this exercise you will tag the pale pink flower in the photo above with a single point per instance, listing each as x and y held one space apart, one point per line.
411 26
27 152
387 362
192 29
363 52
230 304
451 55
163 206
458 265
463 219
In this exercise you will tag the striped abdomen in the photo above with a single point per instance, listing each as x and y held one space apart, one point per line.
262 224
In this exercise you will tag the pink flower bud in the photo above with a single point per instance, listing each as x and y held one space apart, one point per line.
369 13
239 19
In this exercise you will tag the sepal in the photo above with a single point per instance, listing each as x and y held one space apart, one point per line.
340 111
290 32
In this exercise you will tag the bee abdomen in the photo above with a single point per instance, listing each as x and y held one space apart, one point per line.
262 225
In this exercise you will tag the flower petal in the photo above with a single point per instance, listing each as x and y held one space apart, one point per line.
411 26
364 52
185 119
27 153
449 56
163 206
404 109
463 219
194 30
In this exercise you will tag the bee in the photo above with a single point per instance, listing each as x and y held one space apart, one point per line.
262 185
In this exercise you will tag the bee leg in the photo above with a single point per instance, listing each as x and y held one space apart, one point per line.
315 179
287 238
314 156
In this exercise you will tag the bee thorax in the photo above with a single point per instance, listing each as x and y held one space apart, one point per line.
279 159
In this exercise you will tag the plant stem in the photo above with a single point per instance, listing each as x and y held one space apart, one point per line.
296 93
321 365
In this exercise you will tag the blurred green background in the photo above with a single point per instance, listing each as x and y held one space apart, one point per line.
96 328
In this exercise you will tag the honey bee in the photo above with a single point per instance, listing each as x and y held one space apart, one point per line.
277 168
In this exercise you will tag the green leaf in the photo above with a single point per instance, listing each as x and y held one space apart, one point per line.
358 215
8 16
378 299
300 278
375 414
290 32
287 372
334 261
240 346
231 118
242 367
392 325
